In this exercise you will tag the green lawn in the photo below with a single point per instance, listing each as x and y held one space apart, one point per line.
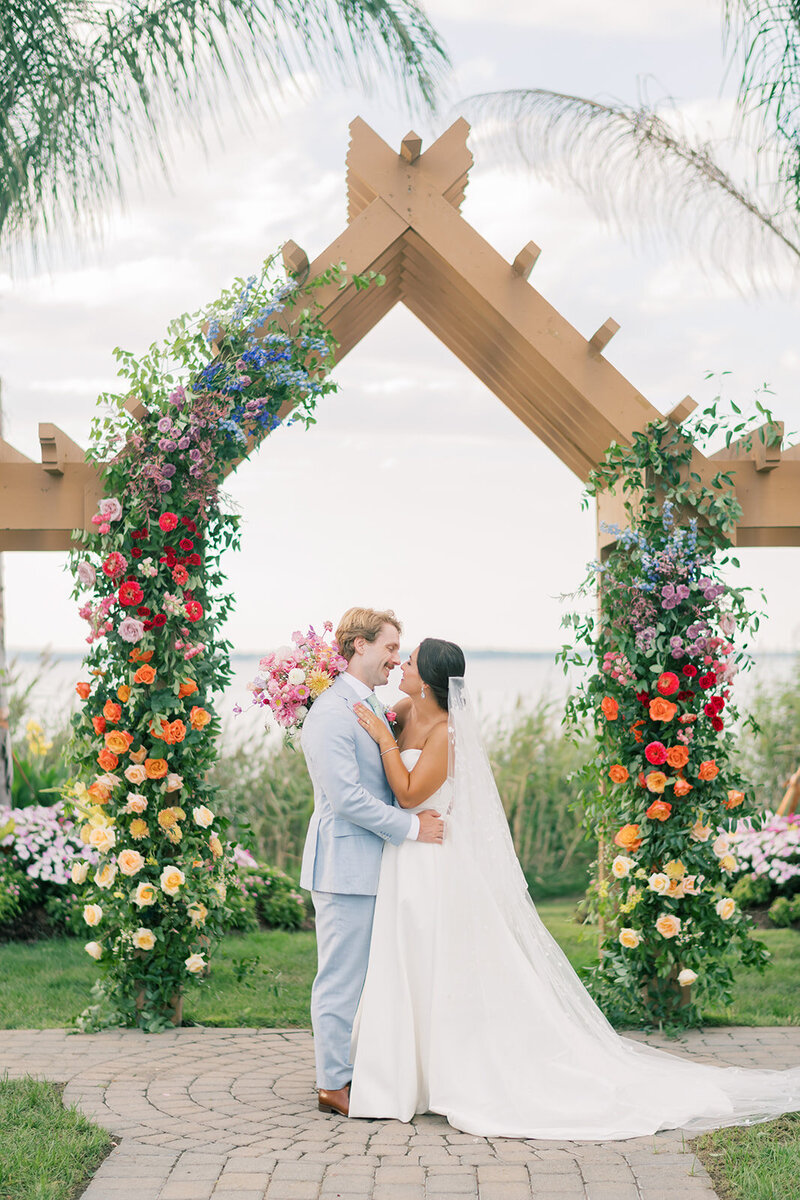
48 1150
759 1163
45 984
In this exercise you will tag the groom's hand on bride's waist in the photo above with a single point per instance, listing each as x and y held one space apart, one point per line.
431 827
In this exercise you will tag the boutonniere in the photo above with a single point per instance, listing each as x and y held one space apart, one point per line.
391 717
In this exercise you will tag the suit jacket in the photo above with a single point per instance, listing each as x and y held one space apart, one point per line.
354 808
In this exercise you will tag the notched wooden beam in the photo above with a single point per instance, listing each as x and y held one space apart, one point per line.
525 261
295 260
9 454
57 448
411 146
599 340
682 410
136 408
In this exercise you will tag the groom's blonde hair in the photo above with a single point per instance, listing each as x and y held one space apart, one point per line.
362 622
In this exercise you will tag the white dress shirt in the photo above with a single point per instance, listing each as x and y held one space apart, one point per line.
363 692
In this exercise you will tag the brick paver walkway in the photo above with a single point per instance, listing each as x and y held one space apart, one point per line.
230 1114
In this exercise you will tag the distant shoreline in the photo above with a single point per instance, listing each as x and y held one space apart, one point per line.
254 655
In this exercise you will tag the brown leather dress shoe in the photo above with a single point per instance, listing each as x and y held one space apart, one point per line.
335 1102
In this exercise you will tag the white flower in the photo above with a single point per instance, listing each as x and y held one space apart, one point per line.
106 875
202 816
195 963
144 939
221 890
79 871
171 879
621 866
721 845
92 914
94 948
687 977
659 882
296 675
725 907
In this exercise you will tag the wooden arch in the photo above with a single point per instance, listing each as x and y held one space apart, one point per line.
404 220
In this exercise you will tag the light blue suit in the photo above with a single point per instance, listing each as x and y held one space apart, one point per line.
354 814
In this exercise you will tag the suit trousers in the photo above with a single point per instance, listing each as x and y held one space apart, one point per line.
344 927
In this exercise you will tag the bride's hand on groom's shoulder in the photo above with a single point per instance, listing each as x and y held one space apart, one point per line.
374 726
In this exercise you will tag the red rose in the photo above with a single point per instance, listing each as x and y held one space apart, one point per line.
718 723
685 695
186 544
193 610
159 620
194 560
167 522
115 565
180 575
689 671
190 525
130 592
139 533
656 753
136 552
143 611
668 683
148 624
643 698
707 681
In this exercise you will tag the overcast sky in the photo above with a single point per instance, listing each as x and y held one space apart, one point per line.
417 490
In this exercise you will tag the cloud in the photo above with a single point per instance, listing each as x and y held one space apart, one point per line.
627 18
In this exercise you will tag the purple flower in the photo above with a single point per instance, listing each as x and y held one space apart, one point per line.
178 398
164 425
195 455
165 485
168 470
184 443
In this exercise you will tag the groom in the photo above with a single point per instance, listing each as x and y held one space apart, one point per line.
354 814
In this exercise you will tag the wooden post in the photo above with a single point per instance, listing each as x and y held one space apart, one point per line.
6 759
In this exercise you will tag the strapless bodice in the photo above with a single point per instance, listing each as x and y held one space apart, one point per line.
437 800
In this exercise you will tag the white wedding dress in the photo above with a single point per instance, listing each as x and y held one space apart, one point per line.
470 1008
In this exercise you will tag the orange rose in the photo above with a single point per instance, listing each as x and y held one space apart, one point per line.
107 760
677 757
618 773
682 787
655 781
659 810
636 730
734 799
123 693
83 690
199 718
145 674
187 688
137 655
112 712
175 731
99 792
708 769
155 768
662 710
99 725
118 742
628 838
610 708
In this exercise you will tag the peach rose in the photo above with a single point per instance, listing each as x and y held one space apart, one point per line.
661 709
721 845
215 845
628 838
144 895
700 832
103 839
80 870
677 757
172 880
195 963
136 803
655 781
682 787
202 816
708 769
155 768
100 792
618 773
658 882
629 938
199 717
668 926
94 949
144 939
130 862
610 708
687 977
725 907
174 782
135 773
734 799
92 914
621 866
659 810
145 674
139 829
112 712
690 885
105 876
197 913
138 756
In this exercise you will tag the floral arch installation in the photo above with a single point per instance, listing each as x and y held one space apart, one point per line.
404 224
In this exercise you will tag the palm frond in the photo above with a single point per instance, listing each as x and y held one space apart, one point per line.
766 33
84 81
639 171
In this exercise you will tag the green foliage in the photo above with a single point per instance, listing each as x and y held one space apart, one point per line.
49 1151
662 782
785 912
752 891
759 1162
768 750
277 900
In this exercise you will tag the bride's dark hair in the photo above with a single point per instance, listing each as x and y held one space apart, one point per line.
437 660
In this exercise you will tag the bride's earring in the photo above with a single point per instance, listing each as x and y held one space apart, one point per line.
422 693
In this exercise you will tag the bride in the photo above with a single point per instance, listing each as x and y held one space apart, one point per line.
470 1008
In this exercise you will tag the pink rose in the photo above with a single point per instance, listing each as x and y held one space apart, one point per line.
131 630
110 508
86 574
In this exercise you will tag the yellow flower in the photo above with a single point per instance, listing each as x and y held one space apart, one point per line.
80 870
634 896
629 938
168 817
130 862
728 863
105 877
202 816
195 963
197 913
103 839
144 895
215 846
174 834
94 949
725 907
92 914
172 879
144 939
668 926
675 869
139 829
317 682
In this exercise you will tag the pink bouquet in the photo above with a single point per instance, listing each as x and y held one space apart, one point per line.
291 678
